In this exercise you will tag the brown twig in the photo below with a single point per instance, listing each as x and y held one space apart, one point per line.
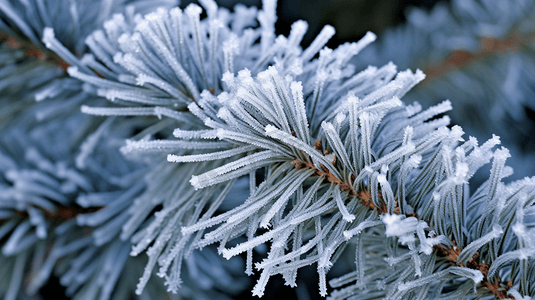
452 254
31 50
489 47
69 212
346 187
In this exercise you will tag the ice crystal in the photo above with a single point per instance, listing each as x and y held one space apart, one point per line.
202 138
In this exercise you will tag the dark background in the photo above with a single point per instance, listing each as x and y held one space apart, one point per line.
351 18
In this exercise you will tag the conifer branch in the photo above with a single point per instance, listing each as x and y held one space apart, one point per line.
215 133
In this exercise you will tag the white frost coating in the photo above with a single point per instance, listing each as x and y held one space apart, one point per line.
48 36
421 281
194 134
168 145
340 118
348 234
323 37
475 275
391 220
346 51
299 28
438 109
118 111
516 295
490 143
324 261
471 248
72 71
408 133
211 177
348 217
279 204
193 10
398 226
287 138
299 104
337 145
231 47
415 160
506 258
230 80
240 248
225 114
461 172
210 6
519 229
267 18
413 109
353 100
426 244
53 44
526 253
209 156
502 154
143 79
381 178
387 159
368 38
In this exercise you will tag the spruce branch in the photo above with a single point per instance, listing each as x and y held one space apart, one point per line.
268 119
345 164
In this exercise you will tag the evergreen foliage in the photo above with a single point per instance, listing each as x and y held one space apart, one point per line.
143 141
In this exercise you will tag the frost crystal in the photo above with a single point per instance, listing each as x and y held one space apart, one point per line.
202 140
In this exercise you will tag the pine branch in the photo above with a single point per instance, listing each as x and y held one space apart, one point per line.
273 119
345 163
